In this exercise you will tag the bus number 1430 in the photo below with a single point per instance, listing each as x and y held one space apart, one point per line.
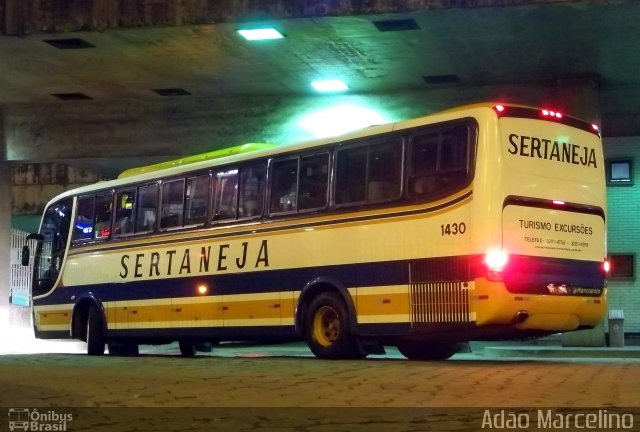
453 229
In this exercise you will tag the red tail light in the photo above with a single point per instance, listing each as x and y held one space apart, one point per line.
606 266
496 261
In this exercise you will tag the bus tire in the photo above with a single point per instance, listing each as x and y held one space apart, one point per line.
187 348
327 329
421 350
95 335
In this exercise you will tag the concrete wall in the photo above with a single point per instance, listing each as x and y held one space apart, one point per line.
5 232
19 17
33 184
624 230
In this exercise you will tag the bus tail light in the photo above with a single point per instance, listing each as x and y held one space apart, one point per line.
496 261
551 114
606 266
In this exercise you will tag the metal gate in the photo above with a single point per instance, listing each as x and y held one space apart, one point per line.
20 275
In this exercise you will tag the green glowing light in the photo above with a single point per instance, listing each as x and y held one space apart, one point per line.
327 86
260 34
340 119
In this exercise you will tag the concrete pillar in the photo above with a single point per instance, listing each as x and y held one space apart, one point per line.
5 229
580 98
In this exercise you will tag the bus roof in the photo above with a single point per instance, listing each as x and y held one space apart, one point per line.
216 154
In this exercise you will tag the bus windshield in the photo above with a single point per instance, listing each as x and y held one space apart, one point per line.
50 251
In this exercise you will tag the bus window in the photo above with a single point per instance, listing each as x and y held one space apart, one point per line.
195 210
252 184
83 229
438 160
351 175
314 178
454 151
284 186
102 226
226 195
125 201
385 171
147 208
172 204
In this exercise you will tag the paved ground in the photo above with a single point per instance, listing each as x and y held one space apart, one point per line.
286 389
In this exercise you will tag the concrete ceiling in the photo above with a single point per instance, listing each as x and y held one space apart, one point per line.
464 53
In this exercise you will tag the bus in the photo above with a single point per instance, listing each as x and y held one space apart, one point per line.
482 222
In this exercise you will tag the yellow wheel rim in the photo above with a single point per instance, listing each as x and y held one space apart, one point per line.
326 326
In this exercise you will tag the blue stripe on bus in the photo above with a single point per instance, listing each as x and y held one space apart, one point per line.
367 274
586 274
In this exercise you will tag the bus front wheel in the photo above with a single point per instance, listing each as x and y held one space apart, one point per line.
419 350
327 329
95 336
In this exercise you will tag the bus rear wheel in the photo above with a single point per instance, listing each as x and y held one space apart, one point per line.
327 329
95 336
421 350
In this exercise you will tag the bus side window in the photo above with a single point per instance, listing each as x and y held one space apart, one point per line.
102 226
225 202
423 163
147 208
385 171
252 187
83 228
284 186
172 204
195 209
125 202
439 160
314 179
351 175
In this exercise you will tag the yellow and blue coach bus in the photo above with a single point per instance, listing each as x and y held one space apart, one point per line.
482 222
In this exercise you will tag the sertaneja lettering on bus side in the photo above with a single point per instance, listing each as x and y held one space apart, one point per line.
225 257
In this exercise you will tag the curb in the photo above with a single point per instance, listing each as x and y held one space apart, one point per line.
559 352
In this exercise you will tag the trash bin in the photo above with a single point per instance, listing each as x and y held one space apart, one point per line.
616 328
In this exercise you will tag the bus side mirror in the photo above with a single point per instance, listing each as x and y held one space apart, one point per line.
35 236
25 255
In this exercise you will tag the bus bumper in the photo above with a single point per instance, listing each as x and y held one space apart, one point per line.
494 305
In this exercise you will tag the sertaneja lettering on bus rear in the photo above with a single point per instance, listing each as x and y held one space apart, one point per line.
541 148
175 262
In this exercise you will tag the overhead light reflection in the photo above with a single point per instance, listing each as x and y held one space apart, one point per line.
340 119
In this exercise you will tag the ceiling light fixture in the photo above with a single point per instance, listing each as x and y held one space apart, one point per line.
260 34
328 86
